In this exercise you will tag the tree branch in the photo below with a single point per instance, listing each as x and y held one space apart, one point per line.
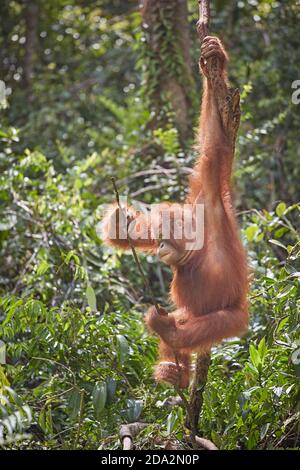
197 389
128 433
204 19
228 99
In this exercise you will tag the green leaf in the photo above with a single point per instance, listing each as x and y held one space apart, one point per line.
276 242
74 403
49 423
280 209
254 356
285 292
27 412
11 311
3 379
281 324
251 231
42 420
99 398
280 232
72 255
13 396
45 420
123 348
134 409
171 421
262 349
252 439
91 298
264 430
42 267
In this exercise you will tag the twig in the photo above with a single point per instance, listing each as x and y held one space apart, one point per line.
152 187
81 410
128 432
116 191
197 389
184 170
204 18
205 443
52 361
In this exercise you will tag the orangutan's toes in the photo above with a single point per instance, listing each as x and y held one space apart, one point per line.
169 372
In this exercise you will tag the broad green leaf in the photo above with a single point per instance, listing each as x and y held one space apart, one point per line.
280 232
27 412
285 292
74 403
134 409
45 420
250 232
280 209
254 356
171 421
3 379
281 324
99 398
123 348
91 298
42 420
13 396
262 349
42 267
264 430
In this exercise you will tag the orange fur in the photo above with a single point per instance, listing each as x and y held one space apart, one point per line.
210 290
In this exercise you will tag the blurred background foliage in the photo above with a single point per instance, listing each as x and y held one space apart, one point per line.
100 88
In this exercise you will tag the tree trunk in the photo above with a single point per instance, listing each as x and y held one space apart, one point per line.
31 21
197 389
168 76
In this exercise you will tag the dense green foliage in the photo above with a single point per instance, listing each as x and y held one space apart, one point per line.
78 359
